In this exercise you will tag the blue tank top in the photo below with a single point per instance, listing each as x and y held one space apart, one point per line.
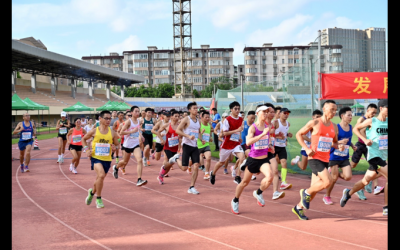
26 133
336 154
245 132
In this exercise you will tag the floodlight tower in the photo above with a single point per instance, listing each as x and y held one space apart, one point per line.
182 26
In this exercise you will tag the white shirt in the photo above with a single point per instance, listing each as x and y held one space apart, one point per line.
83 122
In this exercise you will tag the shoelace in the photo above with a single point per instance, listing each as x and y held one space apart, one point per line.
301 212
308 198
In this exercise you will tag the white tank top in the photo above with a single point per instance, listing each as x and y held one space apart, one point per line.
192 129
162 133
284 130
131 140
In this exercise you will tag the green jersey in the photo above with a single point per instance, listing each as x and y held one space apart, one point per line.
206 136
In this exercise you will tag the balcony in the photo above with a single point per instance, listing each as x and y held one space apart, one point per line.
274 57
321 56
275 65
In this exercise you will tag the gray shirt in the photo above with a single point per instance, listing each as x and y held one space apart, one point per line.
112 121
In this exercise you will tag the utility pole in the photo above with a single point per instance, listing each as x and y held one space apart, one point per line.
319 69
312 87
241 89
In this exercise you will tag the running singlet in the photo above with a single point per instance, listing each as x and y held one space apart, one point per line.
231 141
245 132
321 143
26 133
76 137
307 142
206 136
378 133
260 147
63 130
172 140
192 129
148 126
336 154
284 130
101 145
131 140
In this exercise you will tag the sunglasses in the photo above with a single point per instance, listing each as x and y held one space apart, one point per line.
286 113
236 108
107 118
129 115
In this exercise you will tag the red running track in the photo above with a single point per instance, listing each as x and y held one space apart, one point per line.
49 212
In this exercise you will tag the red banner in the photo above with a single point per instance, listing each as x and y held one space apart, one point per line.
355 85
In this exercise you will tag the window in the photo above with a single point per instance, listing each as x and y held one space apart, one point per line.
264 78
251 53
226 54
283 52
296 60
251 61
283 60
290 69
290 60
274 61
161 72
205 63
141 64
196 54
227 71
215 54
151 73
106 61
140 56
264 61
197 87
290 77
216 62
283 69
241 70
160 55
215 71
161 80
303 60
322 51
142 72
196 63
130 66
290 52
227 62
116 61
251 70
160 64
265 70
263 53
94 61
296 51
197 72
197 79
251 78
274 53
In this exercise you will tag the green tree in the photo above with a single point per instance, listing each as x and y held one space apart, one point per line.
79 84
196 94
115 89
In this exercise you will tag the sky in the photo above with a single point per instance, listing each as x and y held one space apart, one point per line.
79 28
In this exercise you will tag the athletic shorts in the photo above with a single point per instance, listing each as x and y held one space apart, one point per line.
317 165
341 164
225 153
254 165
190 152
303 153
169 154
270 156
130 150
64 137
205 149
244 147
159 147
75 147
361 150
281 152
22 144
376 163
148 139
106 164
122 147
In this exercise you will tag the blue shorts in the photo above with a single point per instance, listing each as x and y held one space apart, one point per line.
22 144
303 152
106 164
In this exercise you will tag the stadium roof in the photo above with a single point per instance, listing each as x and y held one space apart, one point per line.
30 59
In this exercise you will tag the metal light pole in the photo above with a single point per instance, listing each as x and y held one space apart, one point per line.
242 77
312 88
319 69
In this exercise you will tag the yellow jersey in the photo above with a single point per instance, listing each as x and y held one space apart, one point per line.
101 145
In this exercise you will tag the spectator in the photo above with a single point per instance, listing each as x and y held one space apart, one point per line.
216 119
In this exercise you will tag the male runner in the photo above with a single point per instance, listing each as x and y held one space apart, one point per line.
27 130
114 117
83 121
130 130
323 137
146 127
231 129
87 128
258 139
160 137
128 115
203 143
189 129
277 113
115 126
100 156
62 126
215 121
377 144
75 144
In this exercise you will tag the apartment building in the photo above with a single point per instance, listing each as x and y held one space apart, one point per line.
289 65
113 61
363 50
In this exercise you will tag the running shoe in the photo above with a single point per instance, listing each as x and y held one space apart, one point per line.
148 163
253 177
70 167
115 172
123 171
22 168
212 178
116 160
368 187
189 170
160 179
385 211
26 169
285 185
233 171
278 195
166 175
305 199
141 182
378 190
89 197
327 200
152 156
99 203
173 159
226 171
62 160
345 197
58 160
74 171
144 162
193 190
295 160
259 197
201 168
237 180
299 213
243 165
235 207
206 176
361 195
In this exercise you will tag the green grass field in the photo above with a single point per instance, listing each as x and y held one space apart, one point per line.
39 137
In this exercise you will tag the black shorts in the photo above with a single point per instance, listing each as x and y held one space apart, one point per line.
361 150
271 155
169 154
254 165
281 152
376 163
122 147
64 137
148 139
190 152
75 147
159 147
130 150
204 149
341 164
245 147
317 165
106 164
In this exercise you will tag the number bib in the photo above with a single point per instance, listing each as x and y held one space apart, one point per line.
342 153
164 137
206 137
63 131
280 142
235 136
102 149
148 126
273 141
134 135
262 143
324 144
26 136
195 133
308 143
76 138
383 142
173 141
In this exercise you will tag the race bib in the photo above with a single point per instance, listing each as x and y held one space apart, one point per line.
26 136
324 144
76 138
102 149
383 142
343 153
280 142
134 135
273 141
173 141
63 131
235 136
206 137
195 133
262 143
148 126
164 137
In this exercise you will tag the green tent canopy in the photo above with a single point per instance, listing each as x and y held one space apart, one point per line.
36 105
18 104
357 106
107 106
120 106
78 107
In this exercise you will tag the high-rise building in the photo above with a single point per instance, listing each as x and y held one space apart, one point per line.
112 61
363 50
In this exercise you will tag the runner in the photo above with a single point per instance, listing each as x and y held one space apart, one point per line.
62 126
231 129
215 121
114 118
115 126
83 121
203 143
258 138
217 129
323 137
220 141
189 129
153 146
340 159
377 144
130 130
281 133
146 127
251 116
128 115
27 131
87 128
76 133
160 137
277 113
307 140
100 156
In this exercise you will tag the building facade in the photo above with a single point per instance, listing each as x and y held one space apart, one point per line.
363 50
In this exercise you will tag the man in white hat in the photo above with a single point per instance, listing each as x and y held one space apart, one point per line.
62 126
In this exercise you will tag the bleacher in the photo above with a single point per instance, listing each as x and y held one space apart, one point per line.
170 104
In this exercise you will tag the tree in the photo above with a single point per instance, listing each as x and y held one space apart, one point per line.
79 84
196 94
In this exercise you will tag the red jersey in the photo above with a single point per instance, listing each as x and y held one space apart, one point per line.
76 137
172 140
231 141
322 142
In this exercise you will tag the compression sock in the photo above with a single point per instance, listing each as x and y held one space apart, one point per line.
259 191
283 174
98 197
236 200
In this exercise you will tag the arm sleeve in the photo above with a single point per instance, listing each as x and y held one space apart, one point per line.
225 125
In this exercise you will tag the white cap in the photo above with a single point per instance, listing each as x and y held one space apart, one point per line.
63 114
224 115
261 108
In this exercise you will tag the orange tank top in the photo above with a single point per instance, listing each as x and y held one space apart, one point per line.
322 142
76 137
